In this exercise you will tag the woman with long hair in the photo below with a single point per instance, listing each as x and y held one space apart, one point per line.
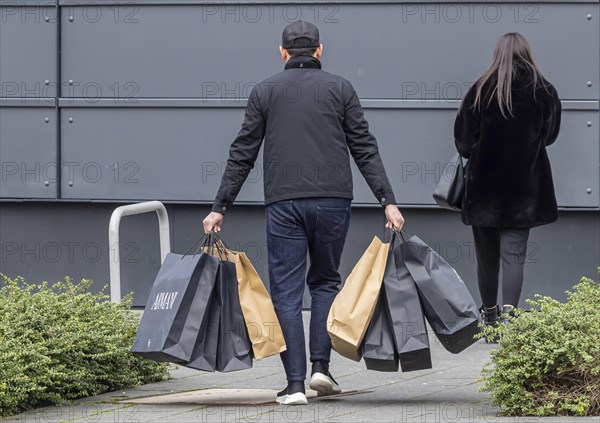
504 124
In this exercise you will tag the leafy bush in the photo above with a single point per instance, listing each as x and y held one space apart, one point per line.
60 342
548 361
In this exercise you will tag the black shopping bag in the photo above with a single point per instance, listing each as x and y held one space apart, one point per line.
447 303
223 343
208 301
167 330
408 321
378 349
234 350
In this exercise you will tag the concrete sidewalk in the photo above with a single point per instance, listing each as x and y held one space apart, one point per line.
446 393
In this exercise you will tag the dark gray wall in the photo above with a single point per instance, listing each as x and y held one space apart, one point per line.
46 241
145 97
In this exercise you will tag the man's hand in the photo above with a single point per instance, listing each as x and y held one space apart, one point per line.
394 217
212 221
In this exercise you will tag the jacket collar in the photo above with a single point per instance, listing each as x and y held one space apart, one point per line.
303 62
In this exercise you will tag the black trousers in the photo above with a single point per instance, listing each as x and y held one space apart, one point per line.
495 245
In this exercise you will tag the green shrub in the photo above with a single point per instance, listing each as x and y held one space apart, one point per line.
60 342
548 361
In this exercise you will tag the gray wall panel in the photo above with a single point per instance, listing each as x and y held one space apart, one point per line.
167 154
25 29
43 241
416 144
417 51
431 50
574 159
180 154
28 152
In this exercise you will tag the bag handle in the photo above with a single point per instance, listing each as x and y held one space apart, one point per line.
395 233
210 240
219 245
204 240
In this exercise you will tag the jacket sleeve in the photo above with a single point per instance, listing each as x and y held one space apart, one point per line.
552 118
363 147
466 125
242 154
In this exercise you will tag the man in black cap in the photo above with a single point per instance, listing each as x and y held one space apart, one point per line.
311 122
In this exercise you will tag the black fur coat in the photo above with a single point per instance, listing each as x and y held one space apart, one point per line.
508 175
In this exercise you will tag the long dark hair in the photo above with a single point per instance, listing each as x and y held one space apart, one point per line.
511 50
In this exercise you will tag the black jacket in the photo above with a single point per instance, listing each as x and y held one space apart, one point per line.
509 179
311 122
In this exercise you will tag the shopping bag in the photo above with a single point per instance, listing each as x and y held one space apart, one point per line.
353 306
403 303
234 349
175 308
204 353
378 348
259 314
447 303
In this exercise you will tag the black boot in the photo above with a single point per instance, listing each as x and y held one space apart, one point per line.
491 317
508 313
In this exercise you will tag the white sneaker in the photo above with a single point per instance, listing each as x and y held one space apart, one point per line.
324 384
299 398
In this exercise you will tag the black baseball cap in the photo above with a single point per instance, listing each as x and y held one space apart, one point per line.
299 29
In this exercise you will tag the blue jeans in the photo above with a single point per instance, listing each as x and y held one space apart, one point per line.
317 226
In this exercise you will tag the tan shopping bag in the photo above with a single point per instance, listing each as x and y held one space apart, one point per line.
262 323
353 307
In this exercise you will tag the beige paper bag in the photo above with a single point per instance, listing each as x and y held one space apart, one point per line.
352 309
262 323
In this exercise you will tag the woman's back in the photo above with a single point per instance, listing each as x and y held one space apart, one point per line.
509 178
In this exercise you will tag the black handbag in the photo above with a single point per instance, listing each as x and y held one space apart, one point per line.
450 190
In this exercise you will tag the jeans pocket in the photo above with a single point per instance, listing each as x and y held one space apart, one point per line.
332 223
280 220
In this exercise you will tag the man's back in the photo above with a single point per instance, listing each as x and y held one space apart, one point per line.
309 120
305 150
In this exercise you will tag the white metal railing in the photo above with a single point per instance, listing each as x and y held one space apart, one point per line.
113 239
